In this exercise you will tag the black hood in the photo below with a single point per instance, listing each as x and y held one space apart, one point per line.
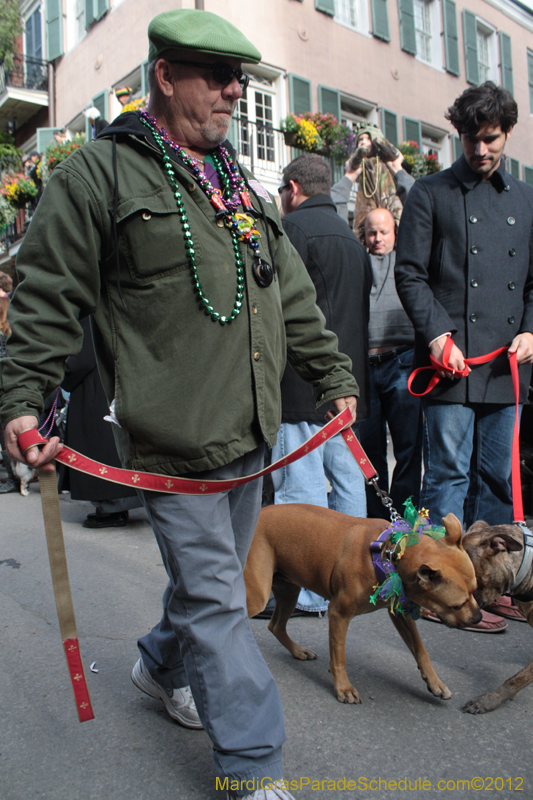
129 124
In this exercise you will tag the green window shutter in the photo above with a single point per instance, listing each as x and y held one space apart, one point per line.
54 29
389 125
100 101
406 13
528 175
530 79
456 148
45 136
327 6
89 13
144 78
101 6
506 62
299 94
470 37
380 20
329 101
514 167
451 41
412 131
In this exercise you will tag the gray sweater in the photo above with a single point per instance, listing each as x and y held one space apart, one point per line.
389 325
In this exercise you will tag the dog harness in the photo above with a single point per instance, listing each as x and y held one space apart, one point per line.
525 567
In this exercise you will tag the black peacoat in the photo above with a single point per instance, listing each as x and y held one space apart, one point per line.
464 265
340 269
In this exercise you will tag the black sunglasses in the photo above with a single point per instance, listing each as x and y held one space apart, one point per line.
282 187
222 73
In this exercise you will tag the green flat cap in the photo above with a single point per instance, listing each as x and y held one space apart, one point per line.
202 31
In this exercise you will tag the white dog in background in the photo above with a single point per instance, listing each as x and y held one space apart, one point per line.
24 474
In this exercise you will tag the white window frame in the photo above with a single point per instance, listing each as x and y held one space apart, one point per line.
489 32
75 23
360 7
436 140
30 10
434 17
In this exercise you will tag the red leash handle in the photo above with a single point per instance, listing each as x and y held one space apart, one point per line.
437 366
444 366
153 482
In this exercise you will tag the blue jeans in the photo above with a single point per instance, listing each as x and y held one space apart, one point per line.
392 404
204 637
305 482
467 462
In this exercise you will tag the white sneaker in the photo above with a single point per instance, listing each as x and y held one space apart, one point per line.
178 702
265 794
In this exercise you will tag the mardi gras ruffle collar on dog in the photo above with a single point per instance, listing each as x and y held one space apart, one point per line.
389 548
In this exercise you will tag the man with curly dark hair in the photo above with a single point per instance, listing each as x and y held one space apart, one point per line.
464 268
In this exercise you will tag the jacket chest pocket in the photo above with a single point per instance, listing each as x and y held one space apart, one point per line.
152 241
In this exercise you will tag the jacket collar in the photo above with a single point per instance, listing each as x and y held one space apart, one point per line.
316 200
470 179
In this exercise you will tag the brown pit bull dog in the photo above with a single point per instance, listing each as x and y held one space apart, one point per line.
502 556
298 545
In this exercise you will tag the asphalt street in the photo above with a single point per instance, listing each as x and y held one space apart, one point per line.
133 751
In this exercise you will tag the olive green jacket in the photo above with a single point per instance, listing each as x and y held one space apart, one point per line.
190 394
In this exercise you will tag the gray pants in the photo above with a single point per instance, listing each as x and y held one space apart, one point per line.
204 637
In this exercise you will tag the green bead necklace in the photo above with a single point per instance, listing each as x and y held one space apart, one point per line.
189 245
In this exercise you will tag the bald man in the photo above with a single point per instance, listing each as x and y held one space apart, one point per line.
391 340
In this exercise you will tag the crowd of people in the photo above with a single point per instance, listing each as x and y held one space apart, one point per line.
214 321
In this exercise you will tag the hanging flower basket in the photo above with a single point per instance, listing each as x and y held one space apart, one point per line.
18 189
290 138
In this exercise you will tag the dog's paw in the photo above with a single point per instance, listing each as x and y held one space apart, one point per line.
439 689
482 704
25 492
348 695
303 653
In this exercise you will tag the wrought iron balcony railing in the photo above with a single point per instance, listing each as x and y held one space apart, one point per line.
27 73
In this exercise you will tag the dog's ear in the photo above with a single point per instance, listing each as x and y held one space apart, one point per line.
428 577
501 543
454 530
478 526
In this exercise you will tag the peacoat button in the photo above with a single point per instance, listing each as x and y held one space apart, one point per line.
191 187
474 283
473 219
506 188
220 223
510 320
511 285
146 215
511 220
473 318
512 251
256 356
474 249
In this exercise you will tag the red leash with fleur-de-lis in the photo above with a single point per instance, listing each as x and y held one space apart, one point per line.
141 480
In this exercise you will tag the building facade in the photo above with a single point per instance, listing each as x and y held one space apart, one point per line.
398 63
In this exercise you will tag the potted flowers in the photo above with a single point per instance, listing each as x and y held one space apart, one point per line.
319 133
55 153
17 189
417 163
302 133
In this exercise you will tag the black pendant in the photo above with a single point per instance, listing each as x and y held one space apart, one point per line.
263 272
